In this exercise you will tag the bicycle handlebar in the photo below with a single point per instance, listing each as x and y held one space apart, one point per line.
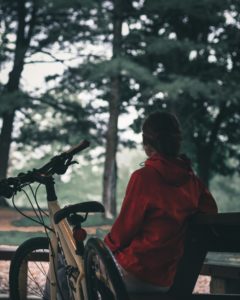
57 165
56 161
78 148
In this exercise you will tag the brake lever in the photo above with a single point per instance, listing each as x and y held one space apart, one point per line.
60 170
73 162
6 190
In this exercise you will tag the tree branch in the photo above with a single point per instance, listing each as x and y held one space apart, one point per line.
32 22
62 61
62 107
21 22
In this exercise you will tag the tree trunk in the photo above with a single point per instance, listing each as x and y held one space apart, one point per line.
22 44
5 142
205 153
110 166
3 202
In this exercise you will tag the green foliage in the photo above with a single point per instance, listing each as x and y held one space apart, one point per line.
165 46
225 189
65 117
190 47
202 11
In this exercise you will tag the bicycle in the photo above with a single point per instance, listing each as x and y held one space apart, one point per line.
89 268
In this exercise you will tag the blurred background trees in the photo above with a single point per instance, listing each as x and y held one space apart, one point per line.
123 59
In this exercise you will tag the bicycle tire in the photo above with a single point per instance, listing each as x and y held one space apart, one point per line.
103 278
23 287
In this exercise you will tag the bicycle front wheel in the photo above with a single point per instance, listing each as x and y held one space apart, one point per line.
28 277
103 279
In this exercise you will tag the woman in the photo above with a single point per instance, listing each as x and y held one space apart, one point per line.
147 238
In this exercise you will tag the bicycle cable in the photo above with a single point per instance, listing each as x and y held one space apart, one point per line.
42 223
27 216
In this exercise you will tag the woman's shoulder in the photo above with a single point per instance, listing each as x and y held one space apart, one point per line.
145 172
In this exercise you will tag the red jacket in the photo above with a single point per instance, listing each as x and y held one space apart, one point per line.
147 238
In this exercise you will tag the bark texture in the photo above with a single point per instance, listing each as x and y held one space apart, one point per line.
110 166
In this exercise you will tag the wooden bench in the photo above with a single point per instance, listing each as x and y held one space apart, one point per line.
224 269
216 233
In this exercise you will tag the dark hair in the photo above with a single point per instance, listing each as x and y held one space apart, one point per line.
162 131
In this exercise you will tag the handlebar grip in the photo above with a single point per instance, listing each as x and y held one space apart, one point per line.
6 191
79 147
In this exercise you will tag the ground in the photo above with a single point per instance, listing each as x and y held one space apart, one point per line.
8 216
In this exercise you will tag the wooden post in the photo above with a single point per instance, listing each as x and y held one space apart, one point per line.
23 280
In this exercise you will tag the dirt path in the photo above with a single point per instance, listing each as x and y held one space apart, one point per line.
7 216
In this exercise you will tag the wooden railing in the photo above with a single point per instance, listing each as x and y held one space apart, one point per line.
6 253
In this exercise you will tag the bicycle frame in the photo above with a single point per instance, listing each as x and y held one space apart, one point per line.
62 234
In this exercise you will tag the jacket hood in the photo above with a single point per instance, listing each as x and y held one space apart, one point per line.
176 171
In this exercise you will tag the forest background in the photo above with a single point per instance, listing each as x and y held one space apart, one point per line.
94 69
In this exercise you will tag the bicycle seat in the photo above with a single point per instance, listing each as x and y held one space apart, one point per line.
84 207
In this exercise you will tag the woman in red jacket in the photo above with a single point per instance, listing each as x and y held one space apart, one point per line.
147 238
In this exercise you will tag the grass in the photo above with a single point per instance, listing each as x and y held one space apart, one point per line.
92 221
26 222
100 233
15 238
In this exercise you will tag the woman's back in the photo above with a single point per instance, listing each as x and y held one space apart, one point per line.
148 236
149 232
